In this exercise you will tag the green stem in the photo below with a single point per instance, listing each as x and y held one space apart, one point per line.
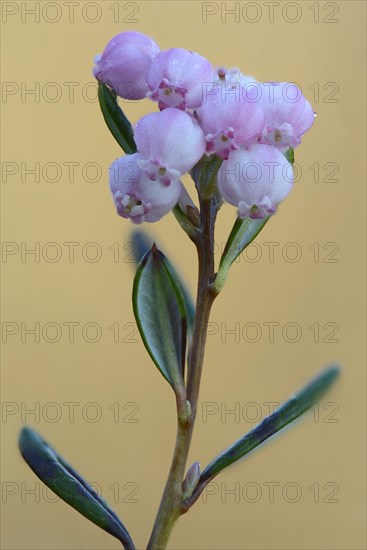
172 505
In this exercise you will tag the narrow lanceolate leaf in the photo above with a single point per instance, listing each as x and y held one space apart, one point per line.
115 119
69 486
160 313
288 412
141 245
243 233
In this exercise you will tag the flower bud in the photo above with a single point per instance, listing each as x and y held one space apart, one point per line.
229 118
255 180
171 142
288 115
136 196
176 78
124 64
191 480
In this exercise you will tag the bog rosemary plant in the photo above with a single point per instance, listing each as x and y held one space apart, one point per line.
236 137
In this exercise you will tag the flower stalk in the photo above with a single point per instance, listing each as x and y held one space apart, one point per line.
173 504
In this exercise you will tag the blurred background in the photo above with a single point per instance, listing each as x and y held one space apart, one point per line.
73 365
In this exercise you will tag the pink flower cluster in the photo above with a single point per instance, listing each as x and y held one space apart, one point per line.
202 110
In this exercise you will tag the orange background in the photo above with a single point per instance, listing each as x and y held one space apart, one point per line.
324 451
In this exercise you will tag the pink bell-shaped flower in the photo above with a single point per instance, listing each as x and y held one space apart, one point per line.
136 196
229 118
288 114
176 78
255 180
171 142
124 64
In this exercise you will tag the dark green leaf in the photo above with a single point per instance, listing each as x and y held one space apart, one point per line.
69 486
288 412
115 119
142 244
243 233
160 313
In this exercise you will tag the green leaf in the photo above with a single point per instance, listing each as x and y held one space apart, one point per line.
288 412
69 486
159 308
243 233
115 119
142 244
